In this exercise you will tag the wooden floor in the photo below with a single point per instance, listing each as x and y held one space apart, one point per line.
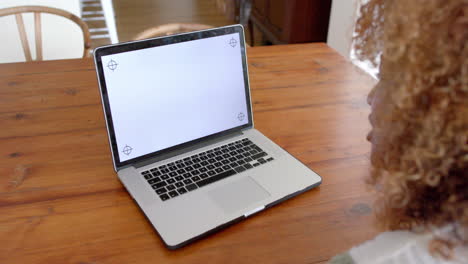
134 16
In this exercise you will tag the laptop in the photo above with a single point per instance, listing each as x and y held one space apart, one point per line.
181 132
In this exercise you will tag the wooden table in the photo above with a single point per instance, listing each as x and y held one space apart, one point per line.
61 201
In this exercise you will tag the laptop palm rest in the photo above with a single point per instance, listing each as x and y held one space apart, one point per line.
238 195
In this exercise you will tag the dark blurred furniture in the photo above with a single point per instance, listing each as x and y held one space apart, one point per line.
291 21
282 21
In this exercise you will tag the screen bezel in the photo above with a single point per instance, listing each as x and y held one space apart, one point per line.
162 41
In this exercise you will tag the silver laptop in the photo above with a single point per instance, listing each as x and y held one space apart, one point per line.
181 132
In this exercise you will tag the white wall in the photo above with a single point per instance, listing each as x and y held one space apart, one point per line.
61 38
341 25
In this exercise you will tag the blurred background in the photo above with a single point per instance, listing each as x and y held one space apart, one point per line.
266 22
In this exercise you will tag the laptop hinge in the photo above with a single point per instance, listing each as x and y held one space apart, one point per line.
182 151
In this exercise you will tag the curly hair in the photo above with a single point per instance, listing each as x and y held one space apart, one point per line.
419 111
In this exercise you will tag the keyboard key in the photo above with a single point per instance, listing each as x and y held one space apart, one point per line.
179 161
217 153
186 159
211 160
232 159
203 175
170 181
253 152
196 160
210 167
196 178
204 163
218 164
248 159
165 177
187 175
211 155
173 174
156 173
225 150
173 194
148 176
191 187
164 171
195 172
248 166
219 158
155 180
147 172
164 197
196 166
216 178
219 170
203 169
203 158
233 164
179 184
180 165
188 163
232 148
240 162
262 161
162 167
256 164
187 181
172 168
170 187
189 168
161 190
239 169
233 153
226 156
159 185
181 171
239 156
170 164
226 167
179 178
194 156
225 162
270 159
182 190
211 173
259 155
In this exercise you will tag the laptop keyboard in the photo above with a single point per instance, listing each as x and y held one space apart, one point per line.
188 174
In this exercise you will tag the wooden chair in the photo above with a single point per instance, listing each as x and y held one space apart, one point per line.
37 10
170 29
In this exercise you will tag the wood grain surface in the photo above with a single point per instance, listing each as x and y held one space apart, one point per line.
61 201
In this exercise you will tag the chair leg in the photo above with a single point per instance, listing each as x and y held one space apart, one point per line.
24 38
38 33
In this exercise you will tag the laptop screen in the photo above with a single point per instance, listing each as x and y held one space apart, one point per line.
164 96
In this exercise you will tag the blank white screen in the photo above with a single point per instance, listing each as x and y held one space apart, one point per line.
168 95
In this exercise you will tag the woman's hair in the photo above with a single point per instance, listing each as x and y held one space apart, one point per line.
421 48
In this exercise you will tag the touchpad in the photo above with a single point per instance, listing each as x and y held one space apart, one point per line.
238 194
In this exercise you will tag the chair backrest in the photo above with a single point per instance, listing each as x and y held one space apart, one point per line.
170 29
37 10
